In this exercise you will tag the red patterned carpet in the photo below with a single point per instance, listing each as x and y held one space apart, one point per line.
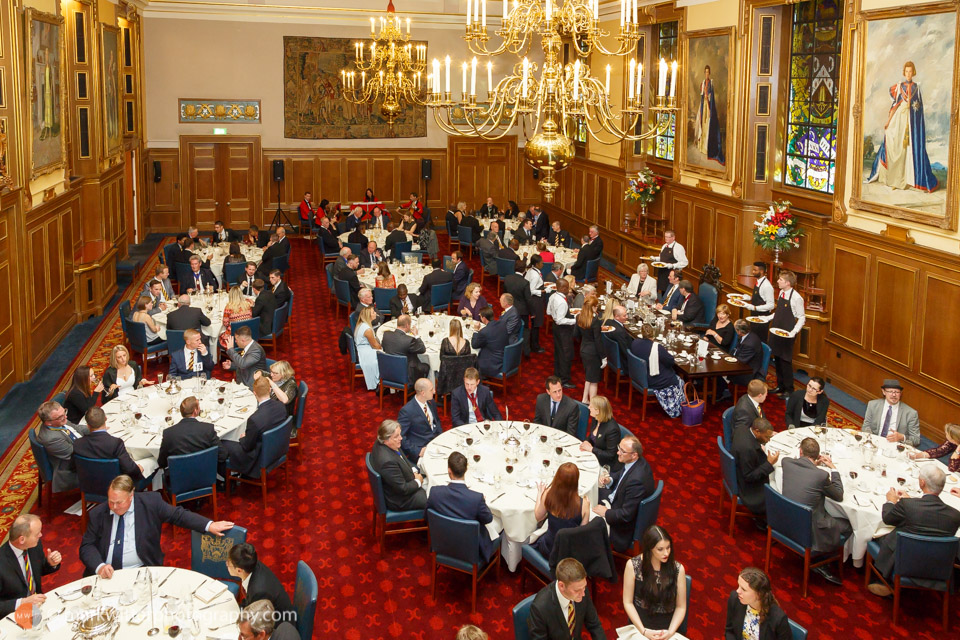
322 515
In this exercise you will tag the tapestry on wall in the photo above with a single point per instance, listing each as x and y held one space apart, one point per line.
312 104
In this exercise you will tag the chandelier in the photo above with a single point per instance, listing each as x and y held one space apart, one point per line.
553 102
390 71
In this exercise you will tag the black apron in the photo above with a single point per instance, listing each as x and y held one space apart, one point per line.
538 307
783 318
663 273
759 328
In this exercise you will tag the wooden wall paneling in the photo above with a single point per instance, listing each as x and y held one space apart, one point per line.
301 178
163 197
529 189
408 178
383 179
895 297
700 249
851 269
331 185
9 346
617 206
939 339
357 179
681 213
202 183
437 196
482 169
727 248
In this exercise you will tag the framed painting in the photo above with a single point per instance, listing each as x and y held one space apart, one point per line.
705 111
906 151
110 58
44 62
6 180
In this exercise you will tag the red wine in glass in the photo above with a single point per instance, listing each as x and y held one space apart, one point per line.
486 426
138 415
901 481
222 389
546 463
510 468
900 448
853 475
559 450
469 441
476 457
858 437
543 438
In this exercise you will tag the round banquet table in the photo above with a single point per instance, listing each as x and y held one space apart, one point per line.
212 306
216 255
863 498
440 325
214 613
511 224
564 256
513 501
379 236
409 274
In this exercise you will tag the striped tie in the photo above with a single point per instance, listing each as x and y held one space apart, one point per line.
28 572
190 364
571 618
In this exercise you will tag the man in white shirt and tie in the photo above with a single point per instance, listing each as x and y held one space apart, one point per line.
890 418
57 436
419 420
194 358
246 280
23 562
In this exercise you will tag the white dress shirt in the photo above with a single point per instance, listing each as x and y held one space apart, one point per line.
768 295
679 255
564 602
535 278
796 306
894 413
19 553
558 308
130 558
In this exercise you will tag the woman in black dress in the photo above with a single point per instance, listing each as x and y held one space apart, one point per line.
561 505
808 406
83 394
456 357
587 330
603 434
655 587
721 332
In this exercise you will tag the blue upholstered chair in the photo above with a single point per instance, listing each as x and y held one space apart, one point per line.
282 263
137 337
191 476
233 272
329 270
591 271
393 374
401 247
505 267
383 517
583 420
280 317
791 524
647 514
253 324
729 486
94 477
60 397
305 594
521 612
354 247
727 420
175 340
614 365
440 296
465 238
181 271
298 413
44 470
208 554
796 631
682 629
381 299
168 250
342 290
708 296
455 544
353 368
637 370
273 454
510 367
546 269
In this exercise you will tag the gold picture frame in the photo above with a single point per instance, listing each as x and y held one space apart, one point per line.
110 73
43 43
923 189
701 153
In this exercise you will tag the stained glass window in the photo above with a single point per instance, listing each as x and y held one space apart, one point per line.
667 42
814 91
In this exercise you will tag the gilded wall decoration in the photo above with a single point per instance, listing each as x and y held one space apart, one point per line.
110 55
44 78
708 86
312 105
6 181
202 110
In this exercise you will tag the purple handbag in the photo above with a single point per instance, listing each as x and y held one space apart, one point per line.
692 408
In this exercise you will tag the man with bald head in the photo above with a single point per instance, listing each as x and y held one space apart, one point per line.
419 420
404 341
23 563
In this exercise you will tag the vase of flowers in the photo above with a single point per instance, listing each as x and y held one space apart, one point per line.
642 189
777 229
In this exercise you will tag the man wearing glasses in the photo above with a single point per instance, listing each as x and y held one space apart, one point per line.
622 492
889 418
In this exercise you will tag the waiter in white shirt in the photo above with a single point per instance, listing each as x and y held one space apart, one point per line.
763 300
787 317
673 255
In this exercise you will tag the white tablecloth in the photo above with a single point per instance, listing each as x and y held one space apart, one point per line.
67 604
212 307
409 274
379 236
440 325
864 497
216 256
511 504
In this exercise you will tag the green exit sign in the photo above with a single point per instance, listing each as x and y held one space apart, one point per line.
219 131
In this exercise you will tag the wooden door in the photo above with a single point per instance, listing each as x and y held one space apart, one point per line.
203 184
238 163
482 169
223 180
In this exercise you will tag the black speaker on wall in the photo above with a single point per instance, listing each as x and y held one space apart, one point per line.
278 170
156 171
426 169
536 174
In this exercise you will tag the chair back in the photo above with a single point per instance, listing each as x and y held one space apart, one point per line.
192 471
233 272
788 518
452 230
928 558
60 397
590 545
280 319
137 335
728 468
402 247
736 341
765 365
440 294
352 347
168 250
125 310
511 358
546 269
175 340
329 270
593 268
796 631
276 444
393 369
465 235
305 594
95 476
637 369
376 488
44 468
583 420
682 629
381 299
612 350
353 321
624 432
183 272
521 613
354 247
448 263
208 553
728 428
648 511
342 288
282 263
708 296
302 390
505 266
455 541
253 324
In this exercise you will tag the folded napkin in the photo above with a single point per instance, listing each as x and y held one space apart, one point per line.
209 591
629 632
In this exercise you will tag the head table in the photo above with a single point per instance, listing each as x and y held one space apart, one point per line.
505 463
439 325
865 495
200 606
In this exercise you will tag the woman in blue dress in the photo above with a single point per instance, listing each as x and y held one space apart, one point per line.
662 380
561 505
367 347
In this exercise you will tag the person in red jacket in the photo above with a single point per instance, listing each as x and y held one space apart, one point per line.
306 208
414 205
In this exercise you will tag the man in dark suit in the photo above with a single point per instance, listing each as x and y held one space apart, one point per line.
243 456
518 288
556 272
194 358
124 531
222 234
419 420
927 515
749 406
326 237
394 236
403 302
182 253
620 335
190 435
279 288
524 234
246 280
57 436
258 621
806 483
283 241
23 563
470 221
623 491
691 309
437 276
563 603
472 402
558 237
749 351
489 210
155 291
186 317
488 246
371 256
555 409
257 580
199 278
274 250
510 316
264 306
510 252
340 264
349 275
100 445
246 359
671 298
541 223
591 250
358 236
364 300
461 275
491 340
404 341
355 218
402 482
456 501
754 466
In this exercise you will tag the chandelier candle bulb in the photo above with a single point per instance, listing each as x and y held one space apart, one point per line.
633 69
636 14
639 82
373 29
596 9
489 78
506 9
429 82
469 11
623 13
576 80
436 76
476 12
408 26
673 79
483 14
549 10
526 72
473 76
662 88
607 84
363 80
447 61
463 94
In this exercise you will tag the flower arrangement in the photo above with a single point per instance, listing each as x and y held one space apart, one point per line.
643 188
777 229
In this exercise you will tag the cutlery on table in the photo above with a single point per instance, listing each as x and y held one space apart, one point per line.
213 604
172 571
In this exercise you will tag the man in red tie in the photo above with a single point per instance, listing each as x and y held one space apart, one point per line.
22 563
473 402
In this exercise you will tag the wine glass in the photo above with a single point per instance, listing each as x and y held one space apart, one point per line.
853 474
558 450
486 427
526 426
543 438
901 480
469 441
509 468
159 379
476 457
